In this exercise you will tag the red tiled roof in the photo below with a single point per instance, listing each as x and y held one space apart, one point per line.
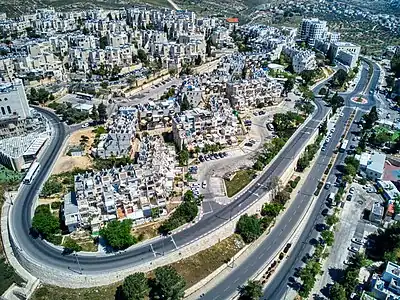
232 20
391 209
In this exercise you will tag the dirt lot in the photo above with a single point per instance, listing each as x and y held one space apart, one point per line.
67 163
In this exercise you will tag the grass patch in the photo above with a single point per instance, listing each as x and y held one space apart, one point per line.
395 133
50 292
241 179
7 276
200 265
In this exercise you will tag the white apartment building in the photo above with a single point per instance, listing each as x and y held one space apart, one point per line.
246 94
137 191
312 29
121 133
197 127
13 101
302 60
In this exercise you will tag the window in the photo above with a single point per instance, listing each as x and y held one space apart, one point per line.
8 109
3 111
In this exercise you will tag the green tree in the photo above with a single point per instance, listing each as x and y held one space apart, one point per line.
168 284
350 170
337 292
185 105
142 55
71 245
94 113
251 291
249 228
370 118
288 85
51 187
103 42
102 111
104 84
331 220
183 156
118 234
395 64
328 237
282 197
135 287
271 209
44 222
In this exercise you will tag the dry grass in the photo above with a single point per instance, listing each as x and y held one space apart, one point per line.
147 231
193 269
200 265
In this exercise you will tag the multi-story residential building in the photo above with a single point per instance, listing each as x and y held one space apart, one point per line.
197 127
137 191
245 94
157 115
118 140
302 60
313 29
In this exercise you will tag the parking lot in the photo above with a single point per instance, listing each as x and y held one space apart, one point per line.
350 236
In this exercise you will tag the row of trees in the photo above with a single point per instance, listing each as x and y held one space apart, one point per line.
166 284
308 155
185 213
39 96
251 227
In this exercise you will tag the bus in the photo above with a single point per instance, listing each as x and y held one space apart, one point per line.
33 170
84 96
344 145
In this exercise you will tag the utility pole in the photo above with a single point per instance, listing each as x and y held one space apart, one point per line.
77 261
173 241
152 249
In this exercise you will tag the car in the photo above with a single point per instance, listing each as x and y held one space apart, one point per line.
225 154
85 125
349 197
325 212
354 139
261 113
352 146
248 145
333 130
341 114
327 140
288 99
252 141
221 155
212 157
323 149
328 185
255 113
357 241
201 158
204 184
216 156
352 190
353 249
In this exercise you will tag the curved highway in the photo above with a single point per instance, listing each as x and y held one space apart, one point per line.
48 256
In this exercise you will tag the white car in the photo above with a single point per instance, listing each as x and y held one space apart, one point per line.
357 241
204 184
353 249
85 125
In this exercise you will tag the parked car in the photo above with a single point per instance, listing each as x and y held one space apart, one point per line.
325 212
349 197
201 158
357 241
352 190
248 144
353 249
328 185
204 184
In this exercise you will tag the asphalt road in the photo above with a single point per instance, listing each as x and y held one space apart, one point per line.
280 284
45 254
277 288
